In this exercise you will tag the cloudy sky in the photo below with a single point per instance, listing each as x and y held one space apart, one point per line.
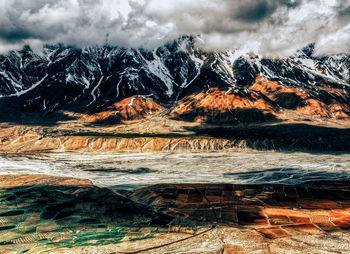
269 27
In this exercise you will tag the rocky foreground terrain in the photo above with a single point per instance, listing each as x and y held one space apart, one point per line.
46 214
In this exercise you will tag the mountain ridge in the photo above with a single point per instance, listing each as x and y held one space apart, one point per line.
92 80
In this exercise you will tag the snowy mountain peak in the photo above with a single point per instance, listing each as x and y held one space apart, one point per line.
93 78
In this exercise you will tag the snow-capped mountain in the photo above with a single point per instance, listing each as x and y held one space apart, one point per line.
92 79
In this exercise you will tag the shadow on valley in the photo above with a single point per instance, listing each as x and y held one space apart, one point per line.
33 118
234 116
137 171
283 137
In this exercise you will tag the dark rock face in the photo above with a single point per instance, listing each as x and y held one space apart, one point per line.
92 79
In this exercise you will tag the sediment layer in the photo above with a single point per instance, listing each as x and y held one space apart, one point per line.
281 137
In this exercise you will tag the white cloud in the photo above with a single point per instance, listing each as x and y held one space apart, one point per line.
271 27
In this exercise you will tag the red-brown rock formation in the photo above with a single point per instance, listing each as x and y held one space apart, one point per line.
132 108
222 106
302 100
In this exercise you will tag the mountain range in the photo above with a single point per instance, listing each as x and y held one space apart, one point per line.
113 84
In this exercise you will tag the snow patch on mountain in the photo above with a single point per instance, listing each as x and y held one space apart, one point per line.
27 90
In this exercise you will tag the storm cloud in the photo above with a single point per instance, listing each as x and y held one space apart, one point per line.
268 27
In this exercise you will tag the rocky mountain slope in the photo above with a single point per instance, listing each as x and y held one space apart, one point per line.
180 78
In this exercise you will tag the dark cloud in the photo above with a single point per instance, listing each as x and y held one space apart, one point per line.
15 35
344 10
259 10
270 27
255 11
